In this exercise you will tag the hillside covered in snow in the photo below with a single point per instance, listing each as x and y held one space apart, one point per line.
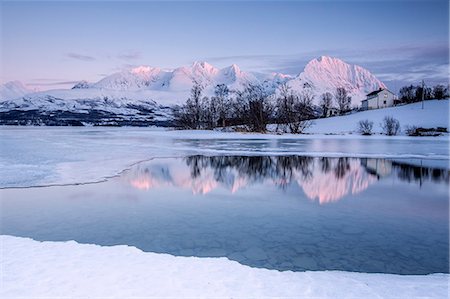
434 114
143 95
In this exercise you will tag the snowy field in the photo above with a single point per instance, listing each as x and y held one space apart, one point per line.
72 270
435 114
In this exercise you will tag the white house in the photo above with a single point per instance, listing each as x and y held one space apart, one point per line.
380 98
378 167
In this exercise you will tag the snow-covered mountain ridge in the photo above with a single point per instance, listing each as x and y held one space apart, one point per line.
321 75
131 92
325 74
182 78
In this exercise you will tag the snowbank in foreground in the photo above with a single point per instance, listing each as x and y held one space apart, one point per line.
434 114
33 269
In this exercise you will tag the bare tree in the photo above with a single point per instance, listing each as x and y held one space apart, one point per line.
208 114
326 102
260 108
194 105
189 115
440 92
221 101
182 117
407 94
365 127
294 111
343 100
390 126
285 103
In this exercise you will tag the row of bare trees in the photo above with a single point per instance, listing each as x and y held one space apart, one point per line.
251 109
340 100
412 93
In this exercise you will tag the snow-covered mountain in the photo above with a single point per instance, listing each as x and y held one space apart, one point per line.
325 74
138 92
179 79
12 90
320 75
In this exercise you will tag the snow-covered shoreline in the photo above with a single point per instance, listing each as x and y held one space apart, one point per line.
70 269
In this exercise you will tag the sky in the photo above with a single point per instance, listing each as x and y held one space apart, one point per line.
55 44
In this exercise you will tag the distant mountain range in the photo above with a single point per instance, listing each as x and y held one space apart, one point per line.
143 94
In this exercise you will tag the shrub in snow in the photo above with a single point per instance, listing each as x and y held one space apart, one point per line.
390 126
365 127
411 131
419 131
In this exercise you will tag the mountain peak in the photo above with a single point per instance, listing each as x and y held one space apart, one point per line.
325 74
235 68
81 85
202 64
323 57
326 60
13 89
144 71
141 69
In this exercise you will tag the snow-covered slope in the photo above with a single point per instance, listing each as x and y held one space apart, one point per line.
325 74
85 106
435 114
12 90
142 77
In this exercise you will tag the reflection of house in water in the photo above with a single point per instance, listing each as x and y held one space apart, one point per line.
378 167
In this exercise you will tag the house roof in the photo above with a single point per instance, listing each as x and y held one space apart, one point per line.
373 93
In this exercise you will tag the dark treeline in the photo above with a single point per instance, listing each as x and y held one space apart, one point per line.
411 93
253 108
418 174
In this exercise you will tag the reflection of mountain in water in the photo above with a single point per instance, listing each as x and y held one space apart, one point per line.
335 178
322 179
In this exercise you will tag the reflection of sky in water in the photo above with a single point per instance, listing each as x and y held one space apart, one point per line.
270 212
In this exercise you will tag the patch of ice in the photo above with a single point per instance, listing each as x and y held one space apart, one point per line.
33 156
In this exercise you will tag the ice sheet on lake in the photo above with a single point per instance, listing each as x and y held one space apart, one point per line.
70 269
45 156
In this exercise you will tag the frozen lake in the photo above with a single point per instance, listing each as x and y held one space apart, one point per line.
36 156
284 212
